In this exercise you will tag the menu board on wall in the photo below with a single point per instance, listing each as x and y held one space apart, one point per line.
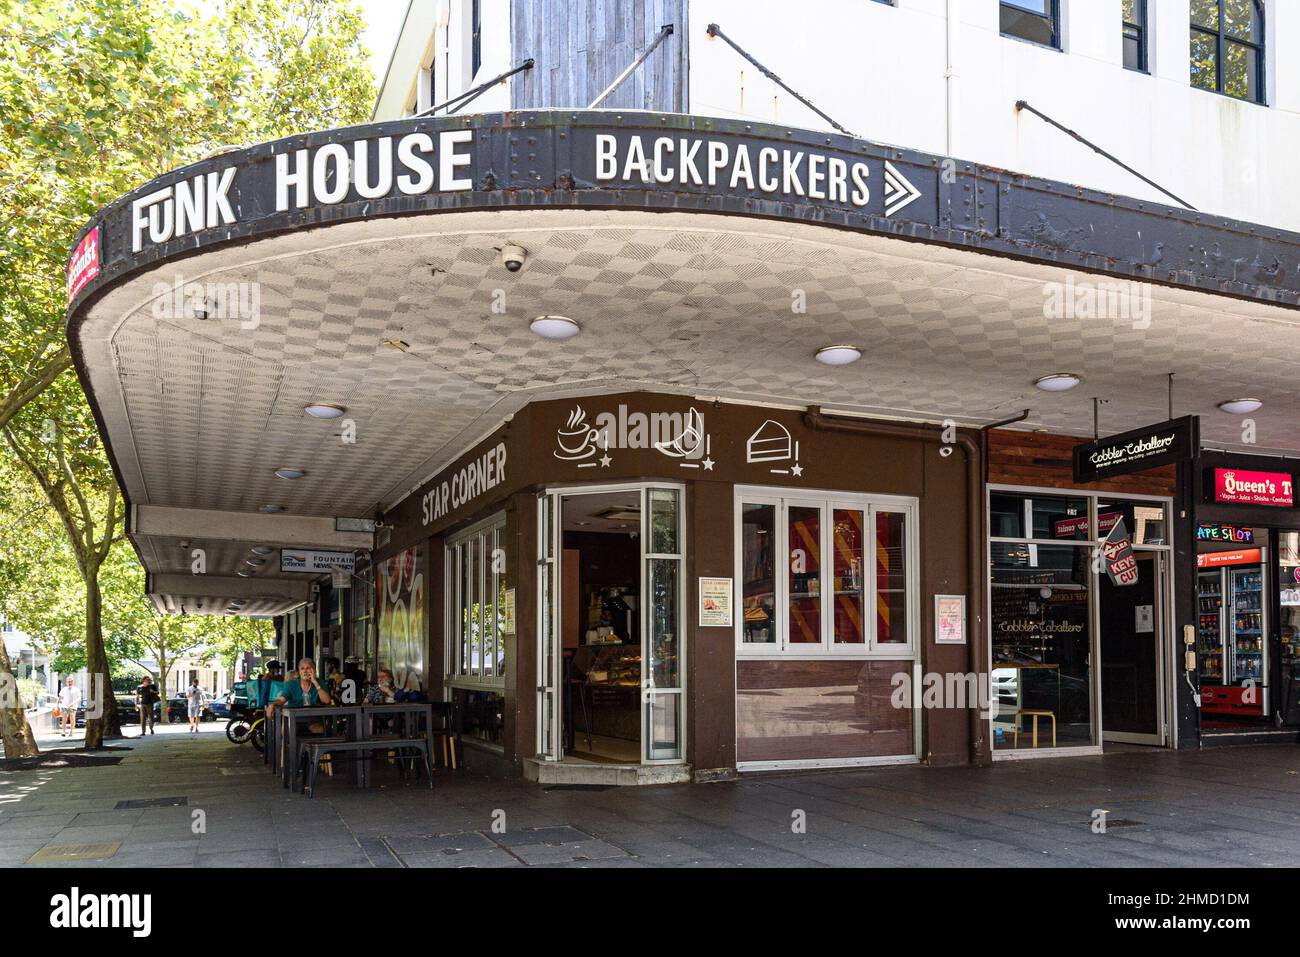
716 599
950 619
400 586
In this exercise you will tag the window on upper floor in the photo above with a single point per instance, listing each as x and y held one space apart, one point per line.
1135 35
476 37
1038 21
1227 48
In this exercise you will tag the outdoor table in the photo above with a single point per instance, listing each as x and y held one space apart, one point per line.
289 756
283 740
407 714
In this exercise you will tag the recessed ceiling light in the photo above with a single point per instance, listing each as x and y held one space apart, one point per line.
323 410
1058 382
554 327
1240 406
255 562
838 355
290 473
244 573
270 509
261 549
401 345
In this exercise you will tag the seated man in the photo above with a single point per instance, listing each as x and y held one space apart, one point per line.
305 691
383 691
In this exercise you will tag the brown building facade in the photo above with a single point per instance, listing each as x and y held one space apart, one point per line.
652 587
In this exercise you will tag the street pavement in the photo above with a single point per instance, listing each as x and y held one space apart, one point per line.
214 804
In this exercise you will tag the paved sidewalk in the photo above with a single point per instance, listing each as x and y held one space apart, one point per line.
1222 807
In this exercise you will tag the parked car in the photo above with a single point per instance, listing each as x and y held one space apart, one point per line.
178 709
127 713
220 706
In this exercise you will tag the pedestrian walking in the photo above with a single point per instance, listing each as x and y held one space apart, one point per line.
69 702
145 697
196 699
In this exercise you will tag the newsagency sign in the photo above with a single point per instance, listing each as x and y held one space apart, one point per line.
497 161
1148 448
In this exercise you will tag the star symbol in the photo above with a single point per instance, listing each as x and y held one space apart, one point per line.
796 469
604 461
708 465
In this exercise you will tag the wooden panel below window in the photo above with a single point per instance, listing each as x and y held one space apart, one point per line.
811 710
1043 460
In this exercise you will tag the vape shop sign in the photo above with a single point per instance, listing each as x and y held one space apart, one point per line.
1247 487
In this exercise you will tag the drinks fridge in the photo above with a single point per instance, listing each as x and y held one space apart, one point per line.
1232 646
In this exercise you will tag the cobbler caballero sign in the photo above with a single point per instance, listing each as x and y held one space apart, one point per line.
1147 448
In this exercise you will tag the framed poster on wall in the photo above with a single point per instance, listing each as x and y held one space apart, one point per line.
716 597
950 619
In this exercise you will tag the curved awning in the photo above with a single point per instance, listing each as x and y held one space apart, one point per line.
362 267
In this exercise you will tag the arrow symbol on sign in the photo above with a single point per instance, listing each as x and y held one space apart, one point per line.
898 191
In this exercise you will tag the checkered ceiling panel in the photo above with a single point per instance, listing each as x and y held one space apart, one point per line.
681 302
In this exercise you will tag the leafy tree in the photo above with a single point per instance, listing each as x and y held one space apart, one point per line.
72 475
15 732
96 98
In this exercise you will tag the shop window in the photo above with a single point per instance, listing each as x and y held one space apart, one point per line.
891 579
1043 517
476 37
1037 21
816 562
1135 35
758 574
1041 636
482 713
850 585
476 585
1227 48
1145 522
1289 622
804 624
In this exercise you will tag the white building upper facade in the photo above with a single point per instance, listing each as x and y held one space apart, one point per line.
1200 96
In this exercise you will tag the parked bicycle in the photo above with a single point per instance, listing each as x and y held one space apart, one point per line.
250 726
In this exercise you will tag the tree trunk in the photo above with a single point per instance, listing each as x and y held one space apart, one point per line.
163 669
17 734
107 725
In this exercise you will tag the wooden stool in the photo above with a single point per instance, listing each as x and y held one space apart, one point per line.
1034 713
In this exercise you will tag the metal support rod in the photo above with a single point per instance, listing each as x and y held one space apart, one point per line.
664 32
465 98
1096 418
715 31
1024 105
1171 395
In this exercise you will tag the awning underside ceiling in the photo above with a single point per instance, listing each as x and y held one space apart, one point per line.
200 413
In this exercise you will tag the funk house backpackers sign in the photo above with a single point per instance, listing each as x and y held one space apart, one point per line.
674 161
543 159
372 168
1137 451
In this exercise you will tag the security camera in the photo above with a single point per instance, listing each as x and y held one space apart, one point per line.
512 257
